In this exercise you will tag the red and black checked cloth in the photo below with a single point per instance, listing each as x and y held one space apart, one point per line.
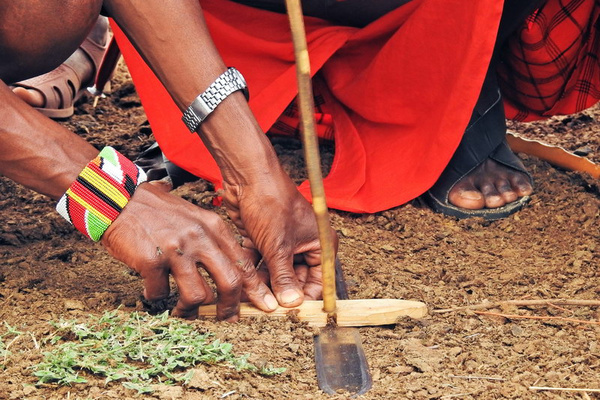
551 65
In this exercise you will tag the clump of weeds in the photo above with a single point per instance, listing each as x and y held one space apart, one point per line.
137 349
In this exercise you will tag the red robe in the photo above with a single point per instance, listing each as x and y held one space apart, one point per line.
399 92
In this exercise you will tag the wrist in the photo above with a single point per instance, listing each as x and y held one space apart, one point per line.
206 102
237 143
223 120
100 192
247 167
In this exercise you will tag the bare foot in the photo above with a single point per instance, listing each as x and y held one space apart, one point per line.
490 185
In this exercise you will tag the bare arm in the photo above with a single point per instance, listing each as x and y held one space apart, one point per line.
156 234
173 39
36 151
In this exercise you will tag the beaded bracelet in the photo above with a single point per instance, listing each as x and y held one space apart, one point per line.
100 193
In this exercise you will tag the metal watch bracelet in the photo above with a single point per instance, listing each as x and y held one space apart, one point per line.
230 81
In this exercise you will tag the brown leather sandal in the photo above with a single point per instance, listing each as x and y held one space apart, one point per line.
63 86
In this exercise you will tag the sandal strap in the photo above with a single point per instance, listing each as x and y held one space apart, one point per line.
485 132
57 86
95 51
485 137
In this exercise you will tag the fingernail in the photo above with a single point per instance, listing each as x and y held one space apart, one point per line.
271 301
289 296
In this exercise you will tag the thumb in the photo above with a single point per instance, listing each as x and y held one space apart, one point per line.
284 283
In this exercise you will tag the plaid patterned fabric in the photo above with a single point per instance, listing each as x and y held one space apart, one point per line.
551 65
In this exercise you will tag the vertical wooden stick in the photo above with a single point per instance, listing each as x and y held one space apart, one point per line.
311 152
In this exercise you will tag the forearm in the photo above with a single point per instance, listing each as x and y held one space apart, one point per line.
173 39
36 151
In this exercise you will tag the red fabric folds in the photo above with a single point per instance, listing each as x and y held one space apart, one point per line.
399 92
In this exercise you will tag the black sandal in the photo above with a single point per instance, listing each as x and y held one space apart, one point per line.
157 167
484 138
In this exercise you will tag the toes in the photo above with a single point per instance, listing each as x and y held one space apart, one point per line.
506 191
491 185
31 97
510 188
521 184
493 198
465 195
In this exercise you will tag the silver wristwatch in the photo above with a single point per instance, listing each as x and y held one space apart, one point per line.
229 82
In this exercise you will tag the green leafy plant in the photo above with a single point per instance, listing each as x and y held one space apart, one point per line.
137 349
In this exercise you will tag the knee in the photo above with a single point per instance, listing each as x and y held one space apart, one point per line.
36 36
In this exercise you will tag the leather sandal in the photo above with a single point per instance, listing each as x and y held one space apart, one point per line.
63 86
484 138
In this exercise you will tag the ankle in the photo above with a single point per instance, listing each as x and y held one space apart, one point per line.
99 31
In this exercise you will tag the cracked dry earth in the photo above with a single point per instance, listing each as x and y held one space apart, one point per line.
549 250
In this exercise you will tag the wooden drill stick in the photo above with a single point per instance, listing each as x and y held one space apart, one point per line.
311 152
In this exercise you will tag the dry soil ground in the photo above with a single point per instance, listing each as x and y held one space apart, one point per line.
549 250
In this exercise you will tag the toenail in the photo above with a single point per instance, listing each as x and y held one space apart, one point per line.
471 195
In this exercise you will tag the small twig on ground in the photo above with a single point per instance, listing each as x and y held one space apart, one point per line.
560 308
35 342
565 389
450 396
491 378
554 302
471 336
515 316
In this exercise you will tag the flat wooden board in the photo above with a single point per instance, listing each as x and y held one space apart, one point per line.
360 312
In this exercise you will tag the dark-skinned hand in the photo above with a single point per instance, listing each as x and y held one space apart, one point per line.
279 223
158 234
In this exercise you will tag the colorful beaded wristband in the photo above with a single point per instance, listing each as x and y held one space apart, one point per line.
100 193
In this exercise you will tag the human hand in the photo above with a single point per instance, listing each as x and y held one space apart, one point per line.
279 223
158 234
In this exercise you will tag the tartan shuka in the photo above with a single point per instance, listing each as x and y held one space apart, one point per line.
551 66
100 193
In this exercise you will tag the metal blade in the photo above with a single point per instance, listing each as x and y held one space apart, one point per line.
341 289
341 361
339 356
107 66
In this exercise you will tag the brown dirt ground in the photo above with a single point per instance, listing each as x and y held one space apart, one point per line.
549 250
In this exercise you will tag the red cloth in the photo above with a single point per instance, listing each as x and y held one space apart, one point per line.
551 66
399 91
